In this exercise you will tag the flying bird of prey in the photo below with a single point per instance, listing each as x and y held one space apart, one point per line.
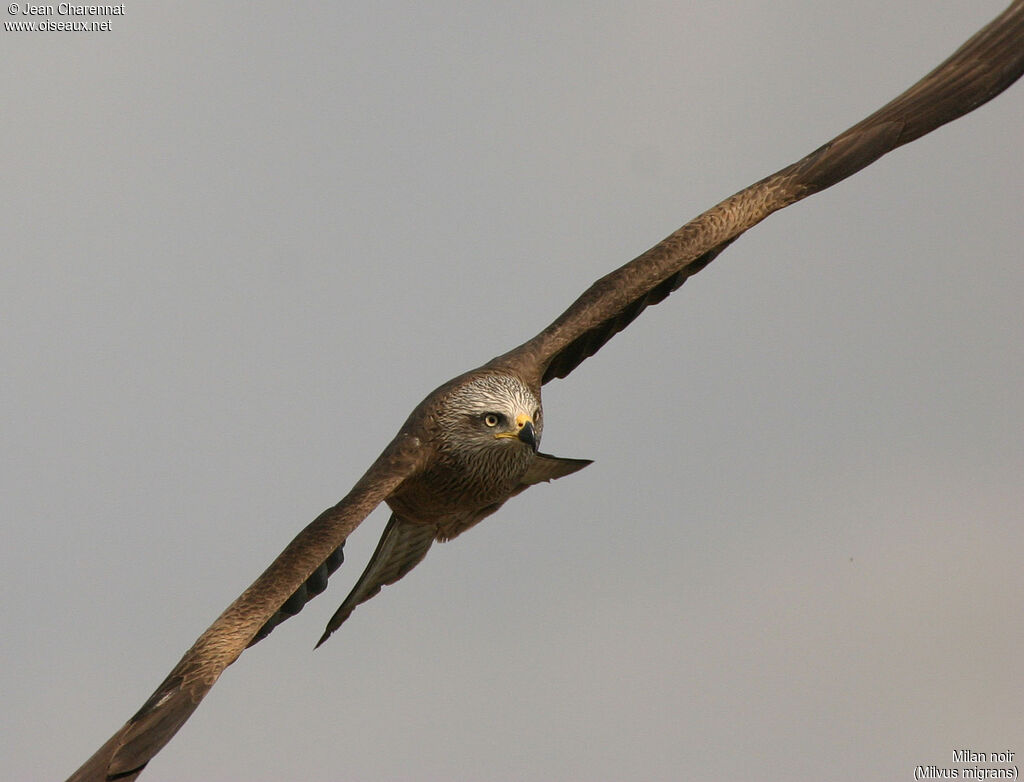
474 442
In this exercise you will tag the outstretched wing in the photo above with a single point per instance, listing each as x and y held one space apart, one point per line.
128 751
978 71
311 587
402 546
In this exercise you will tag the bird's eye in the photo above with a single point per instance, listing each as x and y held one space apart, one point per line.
491 419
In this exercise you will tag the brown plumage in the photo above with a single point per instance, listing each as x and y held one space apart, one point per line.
472 444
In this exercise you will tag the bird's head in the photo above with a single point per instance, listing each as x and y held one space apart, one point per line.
493 414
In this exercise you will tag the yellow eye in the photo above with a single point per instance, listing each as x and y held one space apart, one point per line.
491 419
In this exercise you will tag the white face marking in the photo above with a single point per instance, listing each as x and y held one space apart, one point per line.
475 411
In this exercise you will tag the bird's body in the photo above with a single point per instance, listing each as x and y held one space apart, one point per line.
473 443
474 466
481 432
478 437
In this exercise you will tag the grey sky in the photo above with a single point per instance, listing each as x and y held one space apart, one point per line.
241 244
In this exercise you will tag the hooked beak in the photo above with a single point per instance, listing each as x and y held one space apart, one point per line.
524 432
528 435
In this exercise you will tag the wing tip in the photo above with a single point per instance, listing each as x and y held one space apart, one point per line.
335 622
